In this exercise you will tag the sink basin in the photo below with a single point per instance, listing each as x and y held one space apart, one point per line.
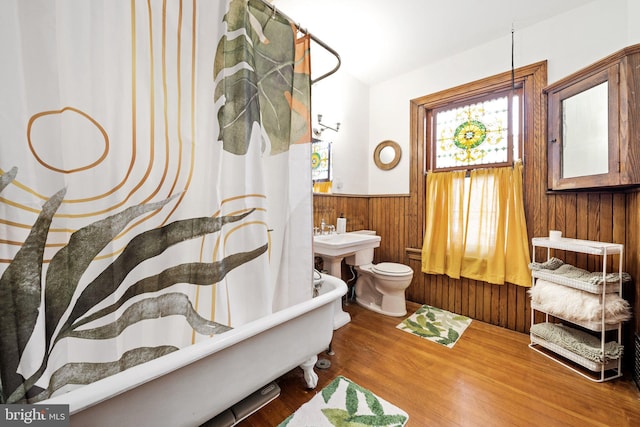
341 245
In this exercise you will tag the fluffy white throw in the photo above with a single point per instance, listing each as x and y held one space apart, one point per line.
574 304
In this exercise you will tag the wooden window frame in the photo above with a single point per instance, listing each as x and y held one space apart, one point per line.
533 79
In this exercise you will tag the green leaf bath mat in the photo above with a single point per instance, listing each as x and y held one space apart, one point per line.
345 403
435 324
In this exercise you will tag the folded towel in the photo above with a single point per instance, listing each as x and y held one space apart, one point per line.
557 266
578 342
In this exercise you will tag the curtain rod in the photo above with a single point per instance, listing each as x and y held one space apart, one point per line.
314 38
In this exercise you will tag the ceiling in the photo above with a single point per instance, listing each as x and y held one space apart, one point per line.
380 39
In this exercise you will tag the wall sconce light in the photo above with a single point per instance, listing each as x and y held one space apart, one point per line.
318 131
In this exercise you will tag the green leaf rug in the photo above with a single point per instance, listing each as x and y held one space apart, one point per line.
344 403
436 324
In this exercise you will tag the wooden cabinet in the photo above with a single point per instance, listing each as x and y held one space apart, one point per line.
593 125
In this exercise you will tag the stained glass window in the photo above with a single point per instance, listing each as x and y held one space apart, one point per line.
475 134
320 161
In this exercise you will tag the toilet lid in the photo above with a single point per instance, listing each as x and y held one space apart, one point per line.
392 269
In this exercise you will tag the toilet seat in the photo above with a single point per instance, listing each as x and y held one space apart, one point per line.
391 269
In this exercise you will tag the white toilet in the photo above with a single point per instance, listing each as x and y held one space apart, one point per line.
380 287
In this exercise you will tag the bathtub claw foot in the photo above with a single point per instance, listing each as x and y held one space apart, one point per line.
310 375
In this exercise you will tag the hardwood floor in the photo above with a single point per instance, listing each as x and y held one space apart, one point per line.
490 378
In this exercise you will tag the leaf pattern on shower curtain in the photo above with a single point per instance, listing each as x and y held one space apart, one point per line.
255 68
83 373
6 178
21 288
151 308
20 294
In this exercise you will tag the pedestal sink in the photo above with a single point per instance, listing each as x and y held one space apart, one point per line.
333 248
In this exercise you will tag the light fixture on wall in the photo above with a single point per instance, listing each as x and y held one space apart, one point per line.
317 132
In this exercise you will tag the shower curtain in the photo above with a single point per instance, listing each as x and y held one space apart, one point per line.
155 181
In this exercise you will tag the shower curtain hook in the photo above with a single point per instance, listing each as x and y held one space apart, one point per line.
273 15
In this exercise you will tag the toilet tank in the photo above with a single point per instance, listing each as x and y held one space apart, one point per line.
363 257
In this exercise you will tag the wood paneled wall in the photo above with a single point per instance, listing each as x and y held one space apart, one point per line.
386 215
606 216
632 255
613 217
390 217
329 208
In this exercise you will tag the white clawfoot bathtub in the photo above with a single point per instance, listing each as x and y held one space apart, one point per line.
192 385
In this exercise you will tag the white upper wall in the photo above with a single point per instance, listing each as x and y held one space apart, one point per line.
632 20
344 99
568 42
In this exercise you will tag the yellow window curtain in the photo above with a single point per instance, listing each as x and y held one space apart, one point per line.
322 187
475 227
444 234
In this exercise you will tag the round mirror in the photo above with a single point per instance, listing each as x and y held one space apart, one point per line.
387 155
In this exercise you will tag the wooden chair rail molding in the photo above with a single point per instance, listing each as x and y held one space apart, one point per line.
414 254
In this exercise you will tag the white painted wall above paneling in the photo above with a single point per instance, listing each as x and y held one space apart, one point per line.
571 36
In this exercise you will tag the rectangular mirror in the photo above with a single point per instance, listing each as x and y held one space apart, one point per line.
593 131
585 132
